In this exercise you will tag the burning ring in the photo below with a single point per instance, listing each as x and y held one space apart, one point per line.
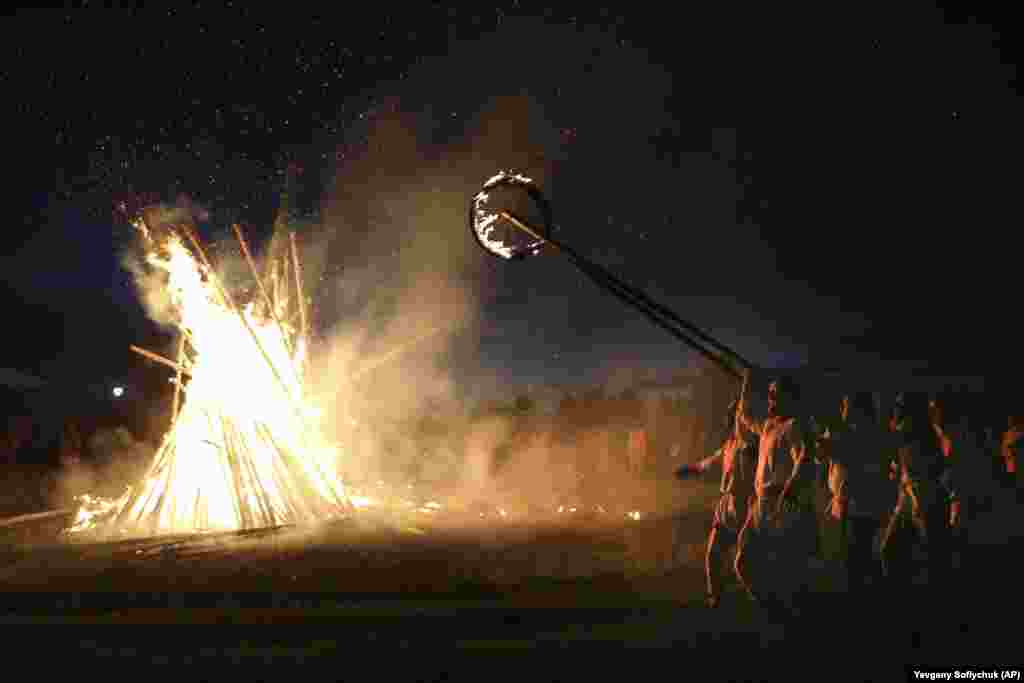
482 220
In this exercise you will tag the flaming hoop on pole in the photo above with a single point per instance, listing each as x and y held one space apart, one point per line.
484 223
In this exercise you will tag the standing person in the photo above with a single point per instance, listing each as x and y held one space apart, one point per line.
856 450
737 457
71 445
1012 445
921 504
830 488
946 432
780 533
975 478
968 478
13 439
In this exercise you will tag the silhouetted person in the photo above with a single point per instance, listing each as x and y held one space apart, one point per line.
937 410
921 504
72 445
780 533
969 475
856 450
737 457
1012 445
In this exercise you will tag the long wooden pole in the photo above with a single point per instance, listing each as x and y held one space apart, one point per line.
177 383
160 359
231 304
36 517
298 285
655 312
263 291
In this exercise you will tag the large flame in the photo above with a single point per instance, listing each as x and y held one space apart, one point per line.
245 450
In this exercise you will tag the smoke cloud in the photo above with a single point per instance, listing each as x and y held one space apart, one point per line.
117 461
397 285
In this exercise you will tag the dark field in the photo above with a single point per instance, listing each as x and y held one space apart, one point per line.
376 581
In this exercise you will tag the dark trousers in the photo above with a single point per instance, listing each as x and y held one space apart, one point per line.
861 563
932 527
940 545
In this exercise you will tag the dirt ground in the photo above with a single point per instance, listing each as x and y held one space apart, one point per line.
382 582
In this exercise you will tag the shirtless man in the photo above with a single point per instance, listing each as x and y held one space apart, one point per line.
1013 444
737 457
780 533
856 450
922 503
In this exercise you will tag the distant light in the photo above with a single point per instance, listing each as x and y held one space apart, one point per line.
118 392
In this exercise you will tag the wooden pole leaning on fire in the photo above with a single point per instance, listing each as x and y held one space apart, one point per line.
263 291
299 371
660 315
157 358
229 301
177 380
299 293
226 297
304 329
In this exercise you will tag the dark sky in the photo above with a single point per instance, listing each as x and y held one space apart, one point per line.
810 188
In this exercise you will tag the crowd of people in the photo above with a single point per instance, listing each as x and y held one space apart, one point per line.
906 488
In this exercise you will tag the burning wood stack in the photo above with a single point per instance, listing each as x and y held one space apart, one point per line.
244 449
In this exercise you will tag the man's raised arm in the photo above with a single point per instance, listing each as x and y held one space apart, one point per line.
742 411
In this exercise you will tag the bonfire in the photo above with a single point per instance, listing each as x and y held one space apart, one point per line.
244 449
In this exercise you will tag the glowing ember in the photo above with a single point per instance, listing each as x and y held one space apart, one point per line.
430 508
244 450
92 508
362 501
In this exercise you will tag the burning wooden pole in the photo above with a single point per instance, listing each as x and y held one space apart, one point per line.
263 291
237 476
177 380
299 292
229 301
162 500
157 358
298 283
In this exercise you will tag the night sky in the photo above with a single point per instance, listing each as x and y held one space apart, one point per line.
810 188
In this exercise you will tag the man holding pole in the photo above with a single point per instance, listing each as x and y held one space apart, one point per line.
780 532
737 456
